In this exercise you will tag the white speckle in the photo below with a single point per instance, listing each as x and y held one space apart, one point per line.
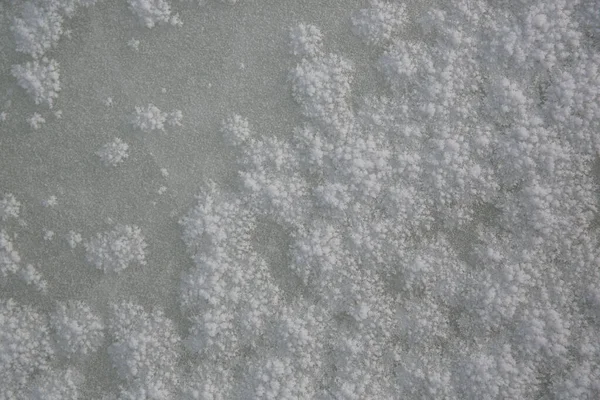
36 121
134 44
73 238
48 235
50 202
113 153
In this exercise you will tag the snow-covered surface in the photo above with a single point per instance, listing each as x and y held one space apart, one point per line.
347 199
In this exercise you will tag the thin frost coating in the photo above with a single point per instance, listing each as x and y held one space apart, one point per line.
306 40
9 257
114 251
36 121
151 118
379 23
38 28
144 352
113 153
9 207
229 295
25 348
154 12
10 264
56 385
40 79
77 331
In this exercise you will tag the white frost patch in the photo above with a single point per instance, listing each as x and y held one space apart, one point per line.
56 385
154 12
40 79
115 250
9 257
31 276
51 201
306 40
113 153
134 44
36 121
38 28
77 331
25 347
9 207
144 352
73 238
380 22
151 118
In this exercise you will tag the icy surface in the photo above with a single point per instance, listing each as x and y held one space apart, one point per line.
269 199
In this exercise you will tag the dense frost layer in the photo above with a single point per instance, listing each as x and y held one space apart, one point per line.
437 235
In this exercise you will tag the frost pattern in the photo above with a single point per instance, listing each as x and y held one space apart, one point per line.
113 153
151 118
39 79
9 207
25 348
115 250
144 351
77 330
154 12
441 237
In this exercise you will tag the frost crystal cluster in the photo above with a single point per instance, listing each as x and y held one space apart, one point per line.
77 330
429 229
151 118
154 12
441 240
144 352
113 153
115 250
39 79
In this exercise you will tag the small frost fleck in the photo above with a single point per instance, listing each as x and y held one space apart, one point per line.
113 153
134 44
36 121
73 238
9 207
50 201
